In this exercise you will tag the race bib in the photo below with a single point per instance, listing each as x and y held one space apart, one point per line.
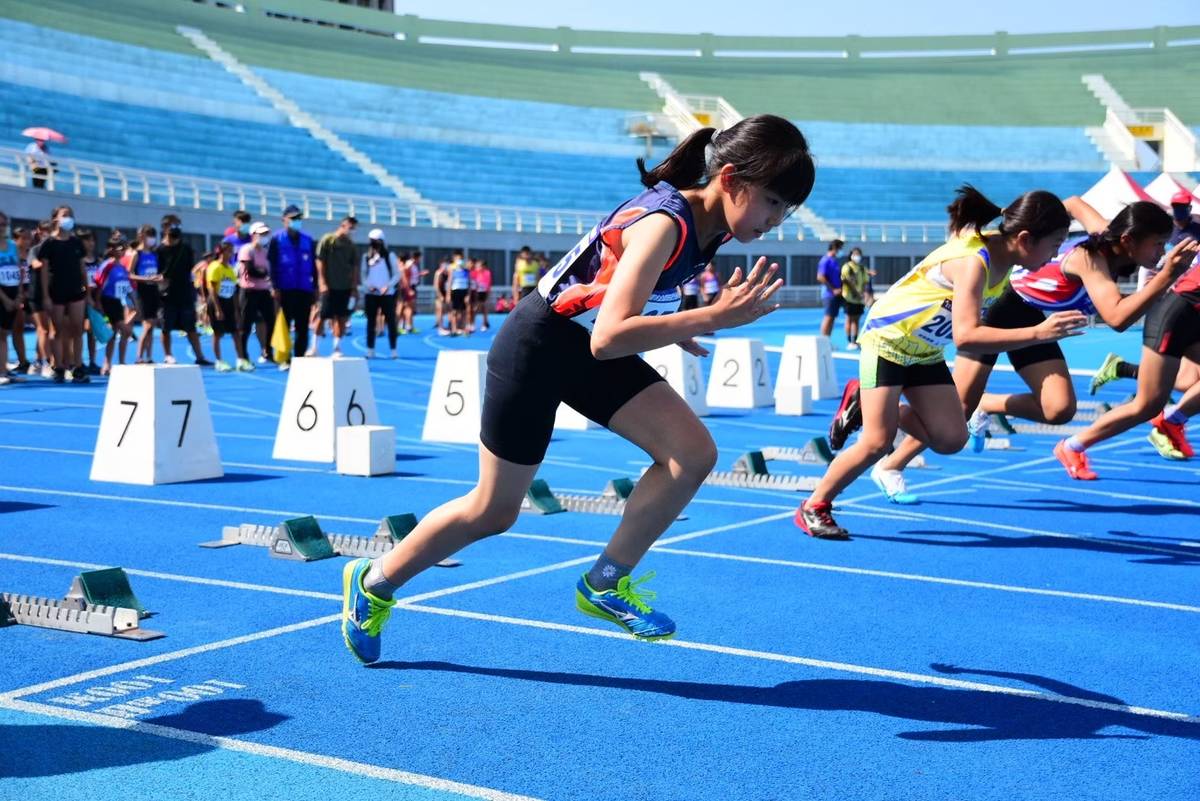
227 289
10 275
124 293
660 303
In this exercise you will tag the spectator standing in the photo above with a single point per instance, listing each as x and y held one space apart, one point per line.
222 285
381 276
256 302
338 280
178 313
525 273
691 294
39 305
292 258
65 284
116 297
441 297
37 156
15 253
91 263
710 285
415 274
460 294
829 276
238 232
481 277
10 292
854 287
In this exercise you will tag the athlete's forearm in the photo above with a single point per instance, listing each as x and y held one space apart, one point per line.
638 333
986 339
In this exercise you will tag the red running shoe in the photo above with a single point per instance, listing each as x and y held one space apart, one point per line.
816 519
848 417
1175 433
1076 463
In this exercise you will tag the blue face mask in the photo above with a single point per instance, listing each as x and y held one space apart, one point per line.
244 229
1181 213
295 225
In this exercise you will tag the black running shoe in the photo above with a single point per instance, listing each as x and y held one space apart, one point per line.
816 520
848 418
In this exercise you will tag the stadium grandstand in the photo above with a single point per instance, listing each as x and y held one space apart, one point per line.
472 135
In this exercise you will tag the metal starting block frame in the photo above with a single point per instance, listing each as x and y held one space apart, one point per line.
750 472
301 539
611 501
76 613
815 451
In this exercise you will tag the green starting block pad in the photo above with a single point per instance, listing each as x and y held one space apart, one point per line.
815 451
540 500
78 612
301 539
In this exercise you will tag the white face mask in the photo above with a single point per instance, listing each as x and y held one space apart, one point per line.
854 257
151 241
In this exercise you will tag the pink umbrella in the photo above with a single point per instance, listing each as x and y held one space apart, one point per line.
44 135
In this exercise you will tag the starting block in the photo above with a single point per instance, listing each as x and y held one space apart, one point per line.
999 444
611 501
815 451
750 472
917 462
301 539
99 602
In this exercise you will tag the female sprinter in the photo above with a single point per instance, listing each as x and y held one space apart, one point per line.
1083 277
576 339
903 341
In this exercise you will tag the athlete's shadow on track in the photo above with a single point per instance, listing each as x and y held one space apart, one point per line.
990 715
979 539
56 749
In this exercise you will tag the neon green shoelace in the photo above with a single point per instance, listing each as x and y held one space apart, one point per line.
379 614
628 591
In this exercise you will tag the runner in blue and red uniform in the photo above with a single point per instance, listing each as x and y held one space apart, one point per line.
576 340
1081 277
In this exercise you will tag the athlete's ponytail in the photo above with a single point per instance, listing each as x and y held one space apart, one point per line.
764 150
1137 220
1039 212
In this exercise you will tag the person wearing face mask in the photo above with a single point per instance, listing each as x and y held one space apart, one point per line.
854 285
292 257
238 233
65 283
175 262
256 306
39 304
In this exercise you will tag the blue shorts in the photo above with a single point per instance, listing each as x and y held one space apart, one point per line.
832 305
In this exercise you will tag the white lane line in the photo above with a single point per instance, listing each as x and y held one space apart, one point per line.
1045 533
1025 465
1070 485
272 751
728 527
170 656
1146 466
840 667
985 585
248 409
236 585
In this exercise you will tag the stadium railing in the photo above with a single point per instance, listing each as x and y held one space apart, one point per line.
132 185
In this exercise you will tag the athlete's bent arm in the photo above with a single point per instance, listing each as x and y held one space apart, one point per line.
622 330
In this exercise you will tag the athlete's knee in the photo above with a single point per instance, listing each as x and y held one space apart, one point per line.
488 519
1058 411
946 442
876 445
696 461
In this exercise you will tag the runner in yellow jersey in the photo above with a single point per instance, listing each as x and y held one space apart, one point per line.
939 302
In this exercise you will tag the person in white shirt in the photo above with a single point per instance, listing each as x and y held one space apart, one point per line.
37 153
381 276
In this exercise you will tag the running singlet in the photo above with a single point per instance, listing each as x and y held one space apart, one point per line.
460 277
912 323
711 285
146 263
90 268
691 287
1188 285
576 285
1050 289
10 266
527 272
115 282
483 280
